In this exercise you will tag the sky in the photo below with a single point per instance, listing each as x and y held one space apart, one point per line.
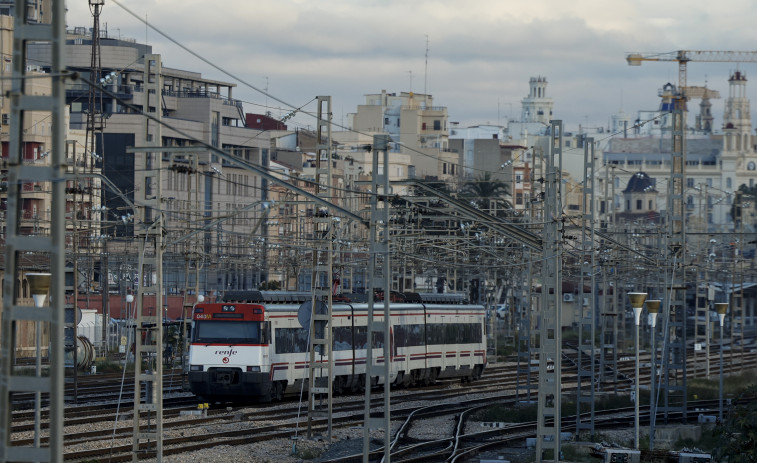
481 53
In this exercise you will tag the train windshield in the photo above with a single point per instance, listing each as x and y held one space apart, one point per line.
227 332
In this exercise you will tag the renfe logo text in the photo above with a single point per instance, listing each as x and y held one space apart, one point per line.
227 352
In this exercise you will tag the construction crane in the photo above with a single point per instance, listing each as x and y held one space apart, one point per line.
684 56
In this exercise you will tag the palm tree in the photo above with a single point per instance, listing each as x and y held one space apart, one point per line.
487 193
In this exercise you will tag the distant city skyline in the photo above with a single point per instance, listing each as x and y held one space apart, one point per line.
480 56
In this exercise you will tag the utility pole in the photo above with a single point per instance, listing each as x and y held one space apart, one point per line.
95 125
148 338
673 384
550 337
525 337
48 249
378 277
321 326
608 361
587 358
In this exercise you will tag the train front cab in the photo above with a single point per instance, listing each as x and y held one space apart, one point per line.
229 353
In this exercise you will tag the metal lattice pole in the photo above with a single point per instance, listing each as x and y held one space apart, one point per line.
48 248
587 357
550 336
673 384
148 338
378 277
321 326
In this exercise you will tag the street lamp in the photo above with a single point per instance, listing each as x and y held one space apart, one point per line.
129 300
721 308
39 286
637 301
653 306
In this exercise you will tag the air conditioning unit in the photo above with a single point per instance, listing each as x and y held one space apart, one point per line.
586 302
567 297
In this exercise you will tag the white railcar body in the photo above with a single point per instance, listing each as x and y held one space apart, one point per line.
270 357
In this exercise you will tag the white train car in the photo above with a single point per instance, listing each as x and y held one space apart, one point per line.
252 346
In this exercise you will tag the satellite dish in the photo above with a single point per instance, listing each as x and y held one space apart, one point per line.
305 311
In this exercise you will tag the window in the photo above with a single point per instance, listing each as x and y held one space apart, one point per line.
518 198
650 205
638 204
690 182
709 182
227 331
291 340
215 128
437 125
423 126
728 182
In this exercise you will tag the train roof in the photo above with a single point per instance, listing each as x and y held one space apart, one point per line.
273 297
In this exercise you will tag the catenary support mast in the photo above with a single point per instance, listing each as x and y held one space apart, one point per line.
587 358
49 249
321 327
549 414
148 341
379 277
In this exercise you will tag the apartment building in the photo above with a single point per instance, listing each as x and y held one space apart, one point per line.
417 127
214 200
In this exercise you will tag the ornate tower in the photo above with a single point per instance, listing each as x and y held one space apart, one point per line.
704 118
536 107
737 121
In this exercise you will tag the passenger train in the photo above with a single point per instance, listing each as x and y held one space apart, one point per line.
251 345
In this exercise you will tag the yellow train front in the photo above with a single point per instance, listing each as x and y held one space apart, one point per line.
252 346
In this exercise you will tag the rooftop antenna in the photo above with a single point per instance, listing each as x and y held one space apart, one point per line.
266 96
411 81
425 72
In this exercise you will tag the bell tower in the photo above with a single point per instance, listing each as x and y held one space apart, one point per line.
737 121
536 107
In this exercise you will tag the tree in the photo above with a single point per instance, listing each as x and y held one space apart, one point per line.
737 435
744 197
487 193
270 286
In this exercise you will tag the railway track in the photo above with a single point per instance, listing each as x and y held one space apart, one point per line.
242 425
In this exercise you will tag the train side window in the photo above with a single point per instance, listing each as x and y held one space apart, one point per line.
291 340
342 338
434 334
361 337
378 339
400 336
265 328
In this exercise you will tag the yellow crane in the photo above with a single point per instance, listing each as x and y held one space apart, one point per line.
682 57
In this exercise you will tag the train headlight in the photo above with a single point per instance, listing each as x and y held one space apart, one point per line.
253 369
195 368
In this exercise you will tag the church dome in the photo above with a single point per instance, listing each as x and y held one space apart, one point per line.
640 182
